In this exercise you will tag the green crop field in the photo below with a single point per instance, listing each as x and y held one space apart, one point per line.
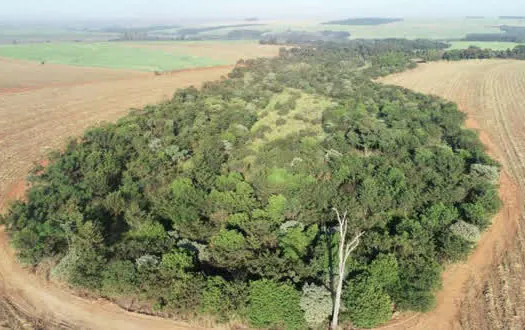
108 55
483 44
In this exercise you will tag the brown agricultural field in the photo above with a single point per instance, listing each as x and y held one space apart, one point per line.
18 75
220 51
488 290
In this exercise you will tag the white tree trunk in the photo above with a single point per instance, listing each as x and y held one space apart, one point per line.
344 252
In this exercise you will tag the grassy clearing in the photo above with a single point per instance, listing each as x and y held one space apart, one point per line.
482 44
288 113
109 55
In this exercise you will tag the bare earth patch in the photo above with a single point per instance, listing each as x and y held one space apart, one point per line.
488 290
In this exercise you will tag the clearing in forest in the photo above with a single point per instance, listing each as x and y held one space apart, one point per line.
486 292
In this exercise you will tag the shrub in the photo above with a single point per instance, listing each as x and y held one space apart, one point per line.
261 131
119 278
274 305
467 231
454 247
62 271
491 173
223 298
476 214
368 305
317 304
280 122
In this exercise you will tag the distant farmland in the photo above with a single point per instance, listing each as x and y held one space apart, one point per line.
108 55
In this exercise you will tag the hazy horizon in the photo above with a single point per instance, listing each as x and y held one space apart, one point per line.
200 10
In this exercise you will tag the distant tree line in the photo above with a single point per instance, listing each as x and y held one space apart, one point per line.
145 29
303 37
192 31
364 21
473 52
510 34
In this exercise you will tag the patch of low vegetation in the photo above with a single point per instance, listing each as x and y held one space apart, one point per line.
365 21
221 201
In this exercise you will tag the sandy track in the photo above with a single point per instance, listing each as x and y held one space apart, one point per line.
475 294
35 121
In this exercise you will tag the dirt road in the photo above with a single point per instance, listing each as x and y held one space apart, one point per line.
486 292
39 119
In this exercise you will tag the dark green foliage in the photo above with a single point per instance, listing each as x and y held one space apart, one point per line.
510 34
275 306
368 305
280 122
224 298
188 205
473 52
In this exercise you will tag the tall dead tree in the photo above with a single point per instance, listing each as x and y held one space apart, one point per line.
345 248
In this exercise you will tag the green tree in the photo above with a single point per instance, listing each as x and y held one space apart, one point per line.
274 305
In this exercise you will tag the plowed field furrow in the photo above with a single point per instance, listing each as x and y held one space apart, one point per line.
488 291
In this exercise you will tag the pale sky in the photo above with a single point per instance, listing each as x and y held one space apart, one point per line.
173 10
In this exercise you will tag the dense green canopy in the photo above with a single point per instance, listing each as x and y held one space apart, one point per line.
220 201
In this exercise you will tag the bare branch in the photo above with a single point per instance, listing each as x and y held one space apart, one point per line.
344 253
